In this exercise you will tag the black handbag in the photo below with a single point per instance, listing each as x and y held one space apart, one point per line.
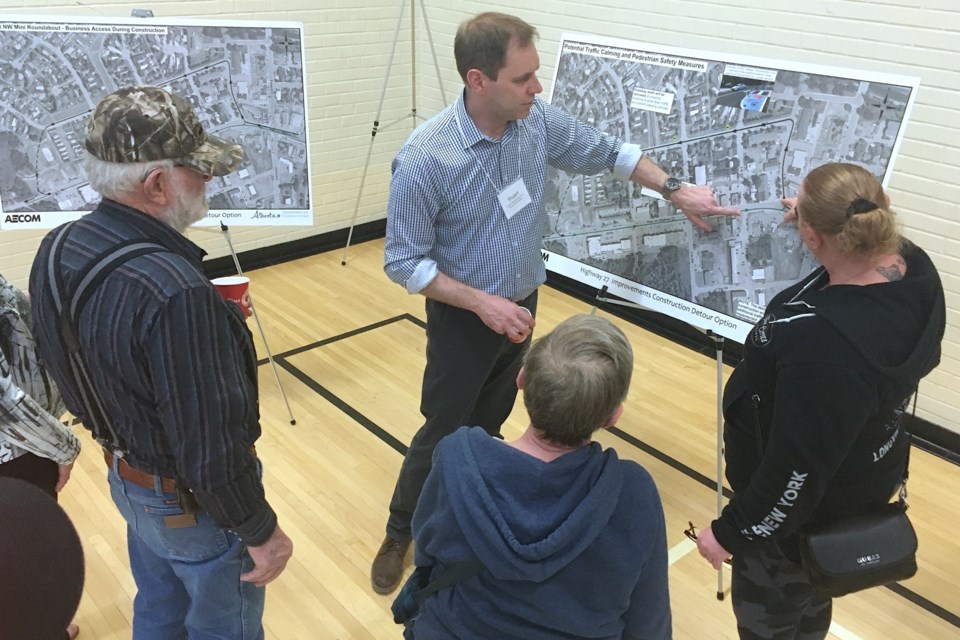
867 550
856 553
845 555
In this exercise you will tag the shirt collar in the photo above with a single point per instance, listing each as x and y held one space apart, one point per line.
469 132
155 230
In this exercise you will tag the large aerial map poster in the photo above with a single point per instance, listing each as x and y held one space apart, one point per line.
749 128
245 81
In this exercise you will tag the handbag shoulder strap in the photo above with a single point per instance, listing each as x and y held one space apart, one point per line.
906 465
453 574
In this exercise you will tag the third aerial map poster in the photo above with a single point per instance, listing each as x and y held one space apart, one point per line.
749 128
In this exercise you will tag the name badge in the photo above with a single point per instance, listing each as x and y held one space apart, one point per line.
514 198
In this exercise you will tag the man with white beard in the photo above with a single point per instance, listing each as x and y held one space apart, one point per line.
162 371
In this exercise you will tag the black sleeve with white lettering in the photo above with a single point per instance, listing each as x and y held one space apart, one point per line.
819 410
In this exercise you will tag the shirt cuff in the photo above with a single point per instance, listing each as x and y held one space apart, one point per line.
627 160
68 456
422 276
258 529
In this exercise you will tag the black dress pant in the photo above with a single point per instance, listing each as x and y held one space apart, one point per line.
470 379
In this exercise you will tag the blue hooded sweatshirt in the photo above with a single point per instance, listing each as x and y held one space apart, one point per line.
573 548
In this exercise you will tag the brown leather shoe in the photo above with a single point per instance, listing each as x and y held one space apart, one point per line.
387 569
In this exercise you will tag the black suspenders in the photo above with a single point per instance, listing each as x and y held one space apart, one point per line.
69 307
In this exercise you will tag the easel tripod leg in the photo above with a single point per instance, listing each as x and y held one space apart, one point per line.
263 336
377 127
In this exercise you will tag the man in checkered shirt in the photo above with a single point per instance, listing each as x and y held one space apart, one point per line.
464 228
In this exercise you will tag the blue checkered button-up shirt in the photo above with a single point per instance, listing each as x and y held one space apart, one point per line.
444 215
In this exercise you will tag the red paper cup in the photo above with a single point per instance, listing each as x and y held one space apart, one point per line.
235 289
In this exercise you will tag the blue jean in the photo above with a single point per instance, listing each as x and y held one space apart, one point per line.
188 578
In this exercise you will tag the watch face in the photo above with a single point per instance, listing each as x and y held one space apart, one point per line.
671 185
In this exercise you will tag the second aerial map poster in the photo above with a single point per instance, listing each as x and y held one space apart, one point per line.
749 128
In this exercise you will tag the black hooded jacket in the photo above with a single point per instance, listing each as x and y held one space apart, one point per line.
814 411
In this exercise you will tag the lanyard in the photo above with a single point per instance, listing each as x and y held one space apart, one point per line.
496 188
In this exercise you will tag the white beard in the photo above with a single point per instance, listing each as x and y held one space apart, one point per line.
186 210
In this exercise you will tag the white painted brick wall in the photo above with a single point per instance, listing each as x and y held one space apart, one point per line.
347 45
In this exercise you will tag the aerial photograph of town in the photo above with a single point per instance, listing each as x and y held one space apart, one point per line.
750 132
244 82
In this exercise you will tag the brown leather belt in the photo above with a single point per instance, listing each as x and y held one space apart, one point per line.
137 477
142 478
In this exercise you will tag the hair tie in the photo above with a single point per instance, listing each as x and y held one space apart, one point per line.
860 205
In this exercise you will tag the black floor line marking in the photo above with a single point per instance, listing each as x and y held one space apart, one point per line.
936 450
671 462
342 336
368 424
332 398
348 334
917 599
417 321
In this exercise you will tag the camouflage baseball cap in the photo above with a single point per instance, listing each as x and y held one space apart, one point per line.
144 124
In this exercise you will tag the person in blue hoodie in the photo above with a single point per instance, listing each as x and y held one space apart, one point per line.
571 538
814 412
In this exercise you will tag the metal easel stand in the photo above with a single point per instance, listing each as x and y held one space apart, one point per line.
601 297
412 114
256 316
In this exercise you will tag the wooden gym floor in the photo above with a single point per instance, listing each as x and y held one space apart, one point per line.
349 348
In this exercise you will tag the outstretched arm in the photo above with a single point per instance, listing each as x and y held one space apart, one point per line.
694 201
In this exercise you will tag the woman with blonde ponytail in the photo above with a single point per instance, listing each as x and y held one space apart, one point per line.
813 413
845 205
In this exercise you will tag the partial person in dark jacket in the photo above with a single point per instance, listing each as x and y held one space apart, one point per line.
172 391
34 445
814 411
41 580
571 538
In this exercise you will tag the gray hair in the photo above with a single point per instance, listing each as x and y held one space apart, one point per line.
113 179
575 377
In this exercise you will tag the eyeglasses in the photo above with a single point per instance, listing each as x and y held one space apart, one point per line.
691 533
